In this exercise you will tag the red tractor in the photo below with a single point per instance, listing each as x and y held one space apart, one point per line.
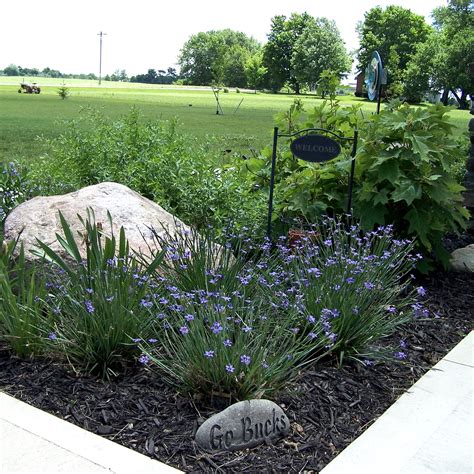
29 88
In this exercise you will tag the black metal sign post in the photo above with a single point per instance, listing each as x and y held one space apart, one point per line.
315 148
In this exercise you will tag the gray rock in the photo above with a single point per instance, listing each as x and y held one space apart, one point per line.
463 259
243 425
39 217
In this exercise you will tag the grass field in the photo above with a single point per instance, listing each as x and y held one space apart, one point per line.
24 117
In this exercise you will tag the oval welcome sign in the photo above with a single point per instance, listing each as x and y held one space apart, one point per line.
315 148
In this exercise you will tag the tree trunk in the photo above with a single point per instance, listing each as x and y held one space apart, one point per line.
444 97
461 100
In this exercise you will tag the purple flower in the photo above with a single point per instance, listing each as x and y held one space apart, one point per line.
265 365
368 285
245 359
146 304
229 368
311 319
421 291
216 328
391 309
350 280
246 329
89 306
312 335
52 336
184 330
400 355
315 271
144 359
227 343
403 344
89 290
152 340
209 354
189 317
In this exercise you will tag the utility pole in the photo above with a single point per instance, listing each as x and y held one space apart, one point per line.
100 60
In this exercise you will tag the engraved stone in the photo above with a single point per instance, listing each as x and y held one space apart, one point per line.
243 425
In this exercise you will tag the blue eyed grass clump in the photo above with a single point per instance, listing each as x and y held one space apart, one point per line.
23 324
98 302
217 331
354 287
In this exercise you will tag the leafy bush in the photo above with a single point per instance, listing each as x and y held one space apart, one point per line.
97 304
180 173
405 175
407 172
302 189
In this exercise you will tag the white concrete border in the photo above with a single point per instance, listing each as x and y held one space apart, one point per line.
34 441
429 429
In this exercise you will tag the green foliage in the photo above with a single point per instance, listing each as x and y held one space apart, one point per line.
255 71
303 189
404 170
395 33
216 56
14 189
243 325
328 84
455 27
22 323
64 92
278 51
182 174
319 48
407 172
97 303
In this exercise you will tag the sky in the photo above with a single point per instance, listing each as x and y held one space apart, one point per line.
144 34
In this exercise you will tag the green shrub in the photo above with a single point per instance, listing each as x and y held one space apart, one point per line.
244 325
97 304
22 322
407 172
184 175
405 176
14 189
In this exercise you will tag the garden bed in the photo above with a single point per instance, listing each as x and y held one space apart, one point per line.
328 406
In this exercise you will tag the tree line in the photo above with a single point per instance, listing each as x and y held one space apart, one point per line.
14 70
302 50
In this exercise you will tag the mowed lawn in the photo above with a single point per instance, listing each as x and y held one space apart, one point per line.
24 117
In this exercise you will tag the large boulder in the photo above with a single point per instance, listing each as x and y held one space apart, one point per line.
38 218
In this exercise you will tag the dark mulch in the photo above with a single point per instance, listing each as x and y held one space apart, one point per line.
328 406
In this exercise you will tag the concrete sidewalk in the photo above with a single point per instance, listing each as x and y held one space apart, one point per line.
32 441
428 430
